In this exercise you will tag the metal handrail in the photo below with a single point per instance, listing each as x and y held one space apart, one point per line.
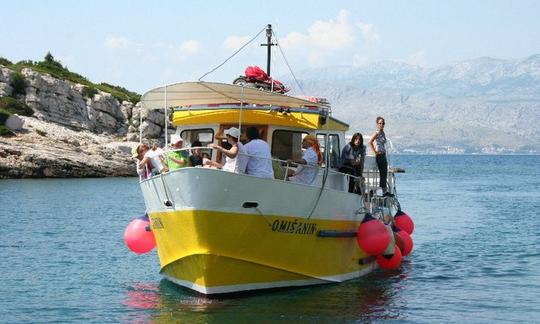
369 178
283 163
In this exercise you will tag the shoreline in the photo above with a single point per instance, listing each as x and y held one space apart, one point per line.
47 150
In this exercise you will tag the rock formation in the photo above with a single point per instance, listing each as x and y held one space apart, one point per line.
72 135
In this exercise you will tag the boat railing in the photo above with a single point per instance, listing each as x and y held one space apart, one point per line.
368 182
282 169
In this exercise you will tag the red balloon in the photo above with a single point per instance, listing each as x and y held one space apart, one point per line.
373 237
404 222
406 241
399 240
137 238
390 262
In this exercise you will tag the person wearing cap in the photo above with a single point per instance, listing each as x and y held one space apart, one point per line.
234 161
176 159
311 158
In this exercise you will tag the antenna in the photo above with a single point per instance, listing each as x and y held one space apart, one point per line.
269 45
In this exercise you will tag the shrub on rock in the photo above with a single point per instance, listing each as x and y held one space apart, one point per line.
14 106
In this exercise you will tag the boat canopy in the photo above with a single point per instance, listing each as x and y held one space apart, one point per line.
210 93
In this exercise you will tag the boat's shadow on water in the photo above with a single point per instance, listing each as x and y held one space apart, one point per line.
367 298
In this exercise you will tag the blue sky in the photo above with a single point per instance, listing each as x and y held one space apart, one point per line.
142 44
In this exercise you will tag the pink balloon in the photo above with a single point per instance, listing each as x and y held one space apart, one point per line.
404 222
137 238
390 263
373 237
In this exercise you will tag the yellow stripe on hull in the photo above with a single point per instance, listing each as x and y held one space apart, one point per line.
205 250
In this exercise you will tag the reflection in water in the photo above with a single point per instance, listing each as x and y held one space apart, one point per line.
143 296
368 298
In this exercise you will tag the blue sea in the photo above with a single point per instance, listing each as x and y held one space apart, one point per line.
475 260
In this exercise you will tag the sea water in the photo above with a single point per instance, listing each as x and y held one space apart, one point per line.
475 259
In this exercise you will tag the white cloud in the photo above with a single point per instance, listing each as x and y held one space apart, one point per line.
332 38
368 32
185 50
116 41
293 40
335 39
190 47
235 42
333 34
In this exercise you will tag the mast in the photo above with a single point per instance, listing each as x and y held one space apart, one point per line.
268 45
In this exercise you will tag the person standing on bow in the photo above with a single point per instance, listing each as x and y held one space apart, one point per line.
377 143
352 159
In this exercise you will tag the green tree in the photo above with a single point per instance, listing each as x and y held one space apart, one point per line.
49 59
5 62
18 83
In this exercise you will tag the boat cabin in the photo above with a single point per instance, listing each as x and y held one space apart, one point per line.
202 111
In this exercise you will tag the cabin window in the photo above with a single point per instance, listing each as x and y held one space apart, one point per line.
203 135
333 146
263 130
287 144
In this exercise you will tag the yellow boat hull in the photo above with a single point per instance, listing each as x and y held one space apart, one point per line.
223 252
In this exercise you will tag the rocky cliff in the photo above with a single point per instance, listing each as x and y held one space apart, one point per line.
70 134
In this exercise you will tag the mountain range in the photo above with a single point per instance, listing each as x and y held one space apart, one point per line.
483 105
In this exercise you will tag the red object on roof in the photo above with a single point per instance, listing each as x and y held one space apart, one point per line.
257 73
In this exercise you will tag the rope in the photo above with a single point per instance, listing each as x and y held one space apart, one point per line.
237 51
287 62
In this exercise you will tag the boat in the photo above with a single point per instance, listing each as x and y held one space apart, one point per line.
219 232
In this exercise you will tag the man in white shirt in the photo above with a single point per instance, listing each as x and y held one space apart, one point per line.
259 162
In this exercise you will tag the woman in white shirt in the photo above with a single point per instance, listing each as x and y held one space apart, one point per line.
308 163
234 162
155 156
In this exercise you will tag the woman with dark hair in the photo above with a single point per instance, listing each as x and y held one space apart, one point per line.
143 169
377 142
259 161
352 159
152 157
196 158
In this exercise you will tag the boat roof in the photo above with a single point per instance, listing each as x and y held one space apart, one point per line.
199 103
187 94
